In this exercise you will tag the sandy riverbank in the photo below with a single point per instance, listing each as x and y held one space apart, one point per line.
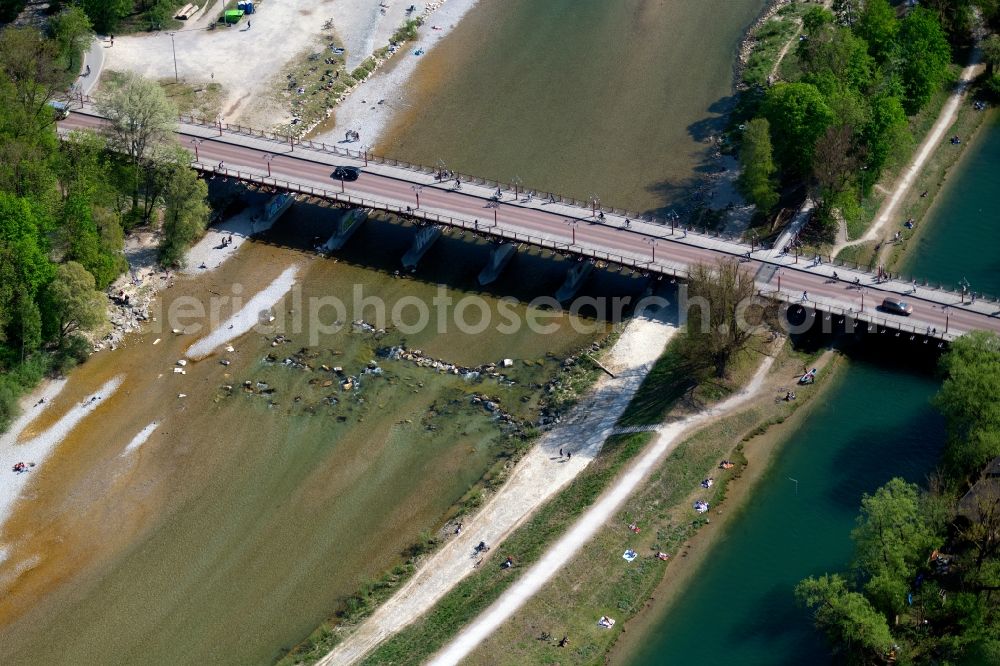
247 59
541 473
371 106
35 448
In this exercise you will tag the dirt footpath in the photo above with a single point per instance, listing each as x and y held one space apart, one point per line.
538 476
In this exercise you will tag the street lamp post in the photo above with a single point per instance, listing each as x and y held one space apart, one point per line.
779 282
196 142
964 283
652 245
516 182
753 240
267 158
416 191
365 149
218 119
595 202
572 227
173 48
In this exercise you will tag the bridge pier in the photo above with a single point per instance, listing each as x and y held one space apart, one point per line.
347 225
421 244
273 209
575 277
499 258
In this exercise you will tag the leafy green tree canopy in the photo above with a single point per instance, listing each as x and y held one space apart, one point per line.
924 57
757 159
799 115
76 304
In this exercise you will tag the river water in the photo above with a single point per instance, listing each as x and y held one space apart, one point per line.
962 224
874 424
579 97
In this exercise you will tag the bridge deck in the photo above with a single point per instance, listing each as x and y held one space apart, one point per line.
649 246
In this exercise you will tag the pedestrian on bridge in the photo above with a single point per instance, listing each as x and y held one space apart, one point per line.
805 296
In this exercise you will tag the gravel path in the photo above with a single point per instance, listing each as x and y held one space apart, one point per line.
563 551
538 476
931 142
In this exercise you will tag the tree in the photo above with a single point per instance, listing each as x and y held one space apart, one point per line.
878 26
836 161
892 541
757 159
76 304
30 65
29 78
729 315
847 618
841 55
991 53
798 115
106 14
885 132
71 29
847 11
30 329
968 401
924 57
142 119
186 216
24 267
955 16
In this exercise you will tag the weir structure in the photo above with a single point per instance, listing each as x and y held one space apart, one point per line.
601 235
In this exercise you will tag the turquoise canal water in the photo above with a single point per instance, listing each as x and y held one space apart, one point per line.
874 424
962 237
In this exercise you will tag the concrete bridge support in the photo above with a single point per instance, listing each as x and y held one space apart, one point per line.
348 224
574 280
421 244
499 258
272 210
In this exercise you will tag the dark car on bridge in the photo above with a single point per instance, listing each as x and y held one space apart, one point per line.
346 173
896 306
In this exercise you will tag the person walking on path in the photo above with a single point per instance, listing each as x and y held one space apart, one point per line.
560 453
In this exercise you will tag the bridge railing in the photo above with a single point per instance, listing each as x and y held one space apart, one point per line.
857 315
594 207
333 149
923 283
662 268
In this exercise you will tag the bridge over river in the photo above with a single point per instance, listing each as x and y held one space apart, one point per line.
566 225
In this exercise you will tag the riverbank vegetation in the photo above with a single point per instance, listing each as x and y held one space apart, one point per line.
841 118
697 369
65 205
599 582
922 587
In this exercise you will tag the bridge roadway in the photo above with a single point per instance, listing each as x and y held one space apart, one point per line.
653 247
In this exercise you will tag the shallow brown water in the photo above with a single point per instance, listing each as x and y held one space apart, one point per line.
579 97
241 524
